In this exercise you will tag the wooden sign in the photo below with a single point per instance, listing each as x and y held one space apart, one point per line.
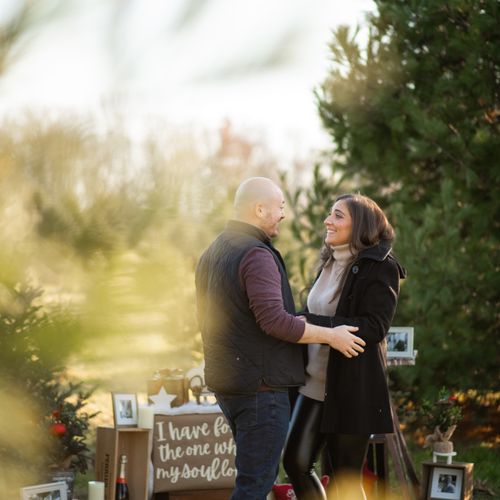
193 451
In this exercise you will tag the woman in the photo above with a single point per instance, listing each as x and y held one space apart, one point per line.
345 398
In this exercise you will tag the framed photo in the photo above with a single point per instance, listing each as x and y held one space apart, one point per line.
125 412
446 483
49 491
443 481
400 342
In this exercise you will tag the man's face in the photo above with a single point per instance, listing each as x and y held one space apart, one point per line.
272 212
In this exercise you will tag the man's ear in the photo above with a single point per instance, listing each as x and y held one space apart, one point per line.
259 210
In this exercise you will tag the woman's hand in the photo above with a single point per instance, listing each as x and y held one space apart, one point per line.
345 342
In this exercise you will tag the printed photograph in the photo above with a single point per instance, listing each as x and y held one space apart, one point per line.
125 413
49 491
446 484
400 342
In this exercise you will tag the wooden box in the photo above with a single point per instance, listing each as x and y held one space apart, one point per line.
458 474
224 494
111 443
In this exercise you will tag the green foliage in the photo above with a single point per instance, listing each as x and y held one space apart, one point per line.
69 448
10 34
33 348
31 340
414 119
82 188
442 413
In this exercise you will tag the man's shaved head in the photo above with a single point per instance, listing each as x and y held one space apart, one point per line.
259 201
253 191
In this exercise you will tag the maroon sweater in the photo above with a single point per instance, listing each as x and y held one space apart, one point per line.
260 278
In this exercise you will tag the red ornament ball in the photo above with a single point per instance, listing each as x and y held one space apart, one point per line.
58 429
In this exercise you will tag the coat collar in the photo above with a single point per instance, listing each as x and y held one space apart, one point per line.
248 229
380 252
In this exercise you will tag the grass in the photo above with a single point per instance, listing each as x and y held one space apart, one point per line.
486 471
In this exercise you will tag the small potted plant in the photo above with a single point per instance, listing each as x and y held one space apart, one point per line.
442 416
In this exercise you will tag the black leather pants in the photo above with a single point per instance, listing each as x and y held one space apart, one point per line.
305 441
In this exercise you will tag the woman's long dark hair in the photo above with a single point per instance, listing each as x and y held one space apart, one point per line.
369 227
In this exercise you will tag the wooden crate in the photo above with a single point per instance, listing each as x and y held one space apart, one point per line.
463 470
220 494
131 441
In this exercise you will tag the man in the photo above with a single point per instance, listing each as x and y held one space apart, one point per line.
448 487
251 336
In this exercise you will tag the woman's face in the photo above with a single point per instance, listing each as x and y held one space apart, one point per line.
338 225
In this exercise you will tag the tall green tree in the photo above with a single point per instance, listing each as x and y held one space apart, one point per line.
414 119
42 401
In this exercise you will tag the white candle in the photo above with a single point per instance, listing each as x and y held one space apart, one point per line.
96 490
146 418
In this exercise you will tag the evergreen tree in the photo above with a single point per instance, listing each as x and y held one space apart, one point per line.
414 119
34 344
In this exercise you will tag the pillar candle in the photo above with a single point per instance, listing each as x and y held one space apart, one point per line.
96 490
146 418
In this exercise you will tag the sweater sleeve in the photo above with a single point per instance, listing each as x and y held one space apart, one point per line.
261 280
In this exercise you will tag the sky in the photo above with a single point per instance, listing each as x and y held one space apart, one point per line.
185 63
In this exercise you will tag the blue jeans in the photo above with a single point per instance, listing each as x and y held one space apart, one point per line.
259 423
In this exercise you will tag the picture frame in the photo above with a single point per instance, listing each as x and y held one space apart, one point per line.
125 409
447 481
400 342
48 491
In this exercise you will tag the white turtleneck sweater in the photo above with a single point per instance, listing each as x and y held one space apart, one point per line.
320 301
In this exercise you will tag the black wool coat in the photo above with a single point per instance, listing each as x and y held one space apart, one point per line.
357 396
